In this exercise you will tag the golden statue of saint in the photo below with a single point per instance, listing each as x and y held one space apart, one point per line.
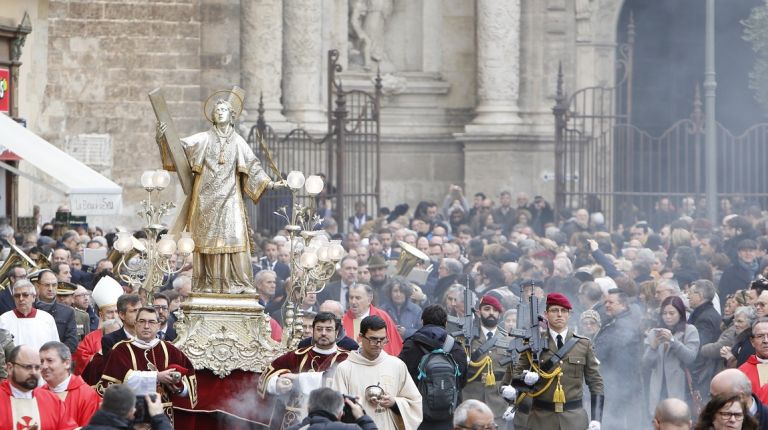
224 169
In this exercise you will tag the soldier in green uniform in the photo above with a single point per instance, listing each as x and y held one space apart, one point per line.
6 345
485 373
65 294
556 385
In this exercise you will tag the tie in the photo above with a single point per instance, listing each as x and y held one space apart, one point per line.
489 335
559 341
161 335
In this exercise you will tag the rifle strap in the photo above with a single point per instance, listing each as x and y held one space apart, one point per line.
560 354
487 345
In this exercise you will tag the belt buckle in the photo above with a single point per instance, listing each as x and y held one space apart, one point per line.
558 407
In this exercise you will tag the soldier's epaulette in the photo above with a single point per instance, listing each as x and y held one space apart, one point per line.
580 336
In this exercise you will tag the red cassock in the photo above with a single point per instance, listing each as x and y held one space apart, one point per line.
89 346
750 369
82 401
126 357
395 344
51 412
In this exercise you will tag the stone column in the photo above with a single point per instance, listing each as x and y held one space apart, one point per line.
302 63
261 62
498 66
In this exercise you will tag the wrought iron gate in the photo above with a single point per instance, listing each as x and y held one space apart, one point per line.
603 162
348 156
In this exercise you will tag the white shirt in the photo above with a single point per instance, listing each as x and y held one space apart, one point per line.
33 332
486 331
63 386
555 333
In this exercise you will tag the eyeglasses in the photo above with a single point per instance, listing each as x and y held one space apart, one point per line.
28 367
147 322
727 416
376 340
760 336
160 308
24 295
492 426
49 284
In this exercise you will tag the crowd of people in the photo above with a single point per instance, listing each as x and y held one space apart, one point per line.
662 321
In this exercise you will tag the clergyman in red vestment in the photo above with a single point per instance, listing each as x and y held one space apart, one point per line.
80 399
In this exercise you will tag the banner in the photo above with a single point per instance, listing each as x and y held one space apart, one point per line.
5 90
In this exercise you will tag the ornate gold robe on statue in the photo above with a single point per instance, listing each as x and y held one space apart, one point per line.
225 168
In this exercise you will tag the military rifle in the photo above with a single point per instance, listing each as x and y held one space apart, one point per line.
467 322
526 336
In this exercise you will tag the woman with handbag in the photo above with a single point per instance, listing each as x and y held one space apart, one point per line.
669 349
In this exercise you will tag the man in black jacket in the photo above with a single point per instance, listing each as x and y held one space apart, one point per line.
326 407
429 337
707 321
118 409
731 382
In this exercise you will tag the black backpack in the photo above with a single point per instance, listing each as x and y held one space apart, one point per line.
437 382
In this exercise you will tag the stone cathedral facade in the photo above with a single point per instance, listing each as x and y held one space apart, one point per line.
469 85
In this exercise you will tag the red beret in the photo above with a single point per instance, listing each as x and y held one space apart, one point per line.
492 302
557 299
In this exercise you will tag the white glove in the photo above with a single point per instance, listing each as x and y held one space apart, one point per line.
594 425
509 414
530 378
508 392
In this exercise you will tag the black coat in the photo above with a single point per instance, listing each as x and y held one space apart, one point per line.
65 322
707 321
321 420
735 277
103 420
762 414
428 338
345 342
110 340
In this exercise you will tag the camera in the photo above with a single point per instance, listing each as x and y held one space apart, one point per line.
347 416
141 415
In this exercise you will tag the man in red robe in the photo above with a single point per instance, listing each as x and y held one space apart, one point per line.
81 400
753 367
22 404
148 365
360 298
294 374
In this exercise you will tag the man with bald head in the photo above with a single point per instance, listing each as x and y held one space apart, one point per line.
731 382
22 404
672 414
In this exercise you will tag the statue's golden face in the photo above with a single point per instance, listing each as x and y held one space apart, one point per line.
222 114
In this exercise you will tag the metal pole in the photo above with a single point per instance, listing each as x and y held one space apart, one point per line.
710 138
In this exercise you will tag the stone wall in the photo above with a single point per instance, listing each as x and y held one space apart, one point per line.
103 58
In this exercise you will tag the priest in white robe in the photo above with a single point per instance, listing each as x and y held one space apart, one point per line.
29 326
398 403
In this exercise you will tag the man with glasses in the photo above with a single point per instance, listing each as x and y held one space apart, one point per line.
161 304
47 287
29 326
558 384
381 381
754 368
473 415
22 404
293 375
147 361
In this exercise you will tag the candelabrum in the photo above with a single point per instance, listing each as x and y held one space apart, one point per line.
145 264
313 256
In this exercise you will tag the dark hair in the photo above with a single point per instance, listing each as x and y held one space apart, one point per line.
146 309
404 286
371 322
686 256
14 354
327 400
620 294
125 300
119 399
434 315
707 417
326 316
678 304
162 296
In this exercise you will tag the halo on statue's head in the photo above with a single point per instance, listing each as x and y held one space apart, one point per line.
237 104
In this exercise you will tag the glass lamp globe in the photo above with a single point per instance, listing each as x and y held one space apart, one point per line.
295 180
308 259
161 178
314 184
322 254
335 250
167 245
147 180
186 244
124 242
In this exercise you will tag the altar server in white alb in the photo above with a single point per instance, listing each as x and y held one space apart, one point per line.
29 326
381 381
